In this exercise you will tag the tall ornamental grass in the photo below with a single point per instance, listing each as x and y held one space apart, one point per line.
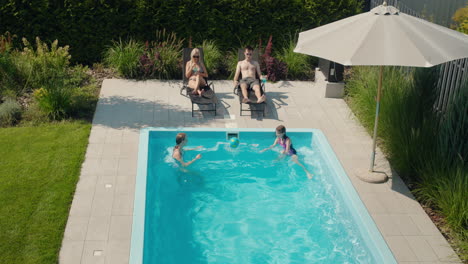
169 48
430 149
124 57
300 66
213 58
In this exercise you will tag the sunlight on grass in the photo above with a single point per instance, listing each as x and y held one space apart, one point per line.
39 169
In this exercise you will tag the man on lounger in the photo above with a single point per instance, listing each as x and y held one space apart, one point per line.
248 68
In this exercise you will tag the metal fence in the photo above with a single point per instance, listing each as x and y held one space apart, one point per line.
453 75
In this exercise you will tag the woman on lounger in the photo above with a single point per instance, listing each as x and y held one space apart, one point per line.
195 71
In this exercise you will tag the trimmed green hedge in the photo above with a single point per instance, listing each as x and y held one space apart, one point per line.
89 26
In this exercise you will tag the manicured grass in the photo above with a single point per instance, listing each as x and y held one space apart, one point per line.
39 168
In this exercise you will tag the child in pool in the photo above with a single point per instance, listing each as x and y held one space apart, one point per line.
178 151
288 148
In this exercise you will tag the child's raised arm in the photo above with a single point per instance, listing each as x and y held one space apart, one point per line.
185 164
270 147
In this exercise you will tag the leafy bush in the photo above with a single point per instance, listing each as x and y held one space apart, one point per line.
83 101
124 57
41 64
275 69
9 76
461 19
10 112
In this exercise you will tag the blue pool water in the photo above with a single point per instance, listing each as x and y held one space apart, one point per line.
242 206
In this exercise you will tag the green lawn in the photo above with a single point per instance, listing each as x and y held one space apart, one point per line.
39 168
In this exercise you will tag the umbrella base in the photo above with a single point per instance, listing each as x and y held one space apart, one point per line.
371 176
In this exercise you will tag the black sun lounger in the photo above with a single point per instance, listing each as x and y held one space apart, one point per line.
208 101
252 106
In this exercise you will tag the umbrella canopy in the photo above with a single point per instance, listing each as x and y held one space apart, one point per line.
383 36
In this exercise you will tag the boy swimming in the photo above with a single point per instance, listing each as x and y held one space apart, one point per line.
288 149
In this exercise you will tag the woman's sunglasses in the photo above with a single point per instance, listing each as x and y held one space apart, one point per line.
196 56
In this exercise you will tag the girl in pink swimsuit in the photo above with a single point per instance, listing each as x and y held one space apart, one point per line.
288 149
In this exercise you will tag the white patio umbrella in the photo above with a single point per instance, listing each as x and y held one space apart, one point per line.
383 36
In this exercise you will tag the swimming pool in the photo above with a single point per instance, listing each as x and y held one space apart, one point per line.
242 206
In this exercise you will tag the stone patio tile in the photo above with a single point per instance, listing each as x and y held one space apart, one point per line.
81 205
94 252
97 135
421 248
391 203
98 228
121 227
111 150
127 166
123 204
113 136
129 150
125 184
401 248
104 196
410 204
386 224
90 166
441 248
374 206
76 228
71 252
424 224
86 185
118 252
94 150
108 166
405 225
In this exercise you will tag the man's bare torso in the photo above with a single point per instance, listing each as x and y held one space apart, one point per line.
248 68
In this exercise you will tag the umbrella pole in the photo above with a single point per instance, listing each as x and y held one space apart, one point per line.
376 122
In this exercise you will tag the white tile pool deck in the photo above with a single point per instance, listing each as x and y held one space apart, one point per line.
100 221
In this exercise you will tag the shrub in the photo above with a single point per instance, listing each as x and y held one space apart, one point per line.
54 99
10 112
10 80
38 66
275 69
124 57
461 19
34 115
83 101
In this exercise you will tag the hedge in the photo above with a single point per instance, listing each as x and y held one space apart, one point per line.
89 26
